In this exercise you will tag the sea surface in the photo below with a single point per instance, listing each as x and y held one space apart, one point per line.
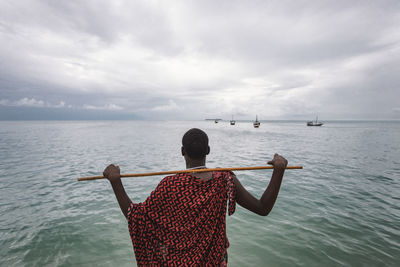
342 209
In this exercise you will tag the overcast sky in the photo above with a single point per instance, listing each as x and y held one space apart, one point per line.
200 59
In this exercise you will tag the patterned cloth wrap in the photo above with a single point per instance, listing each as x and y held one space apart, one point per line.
182 222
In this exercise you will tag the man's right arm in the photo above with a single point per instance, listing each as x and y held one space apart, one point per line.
112 173
264 205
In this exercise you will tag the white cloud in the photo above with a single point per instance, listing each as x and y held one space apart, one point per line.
90 107
171 106
105 107
60 105
30 102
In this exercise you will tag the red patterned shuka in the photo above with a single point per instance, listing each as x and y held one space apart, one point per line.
182 222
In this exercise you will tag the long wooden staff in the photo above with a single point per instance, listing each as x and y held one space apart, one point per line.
191 171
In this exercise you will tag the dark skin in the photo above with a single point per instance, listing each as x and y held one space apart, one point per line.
262 206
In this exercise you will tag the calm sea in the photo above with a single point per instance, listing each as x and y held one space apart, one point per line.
342 209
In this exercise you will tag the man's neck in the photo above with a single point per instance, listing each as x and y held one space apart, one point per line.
195 163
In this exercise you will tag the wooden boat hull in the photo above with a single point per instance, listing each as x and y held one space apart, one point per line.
314 124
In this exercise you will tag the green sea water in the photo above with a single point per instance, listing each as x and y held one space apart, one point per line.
342 209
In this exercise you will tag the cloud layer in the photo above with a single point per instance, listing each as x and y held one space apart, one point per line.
198 59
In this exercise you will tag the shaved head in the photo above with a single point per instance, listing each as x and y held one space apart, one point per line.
195 143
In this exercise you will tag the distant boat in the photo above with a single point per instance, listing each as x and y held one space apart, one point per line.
232 121
314 123
215 120
256 123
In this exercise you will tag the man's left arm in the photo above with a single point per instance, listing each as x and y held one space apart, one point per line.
264 205
112 173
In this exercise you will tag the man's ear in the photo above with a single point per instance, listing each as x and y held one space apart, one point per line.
183 151
208 150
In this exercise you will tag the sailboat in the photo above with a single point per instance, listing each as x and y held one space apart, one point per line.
314 123
256 123
232 121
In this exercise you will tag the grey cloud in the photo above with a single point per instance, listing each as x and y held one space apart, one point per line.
298 36
279 59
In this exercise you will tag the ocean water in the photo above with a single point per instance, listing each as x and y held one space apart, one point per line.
342 209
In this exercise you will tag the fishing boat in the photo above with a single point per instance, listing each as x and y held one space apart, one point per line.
215 120
232 121
314 123
256 123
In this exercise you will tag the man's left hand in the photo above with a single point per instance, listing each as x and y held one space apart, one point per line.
112 172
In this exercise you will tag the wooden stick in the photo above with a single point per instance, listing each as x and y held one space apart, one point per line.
191 171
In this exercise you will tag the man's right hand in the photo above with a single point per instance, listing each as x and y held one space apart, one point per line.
112 172
278 162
